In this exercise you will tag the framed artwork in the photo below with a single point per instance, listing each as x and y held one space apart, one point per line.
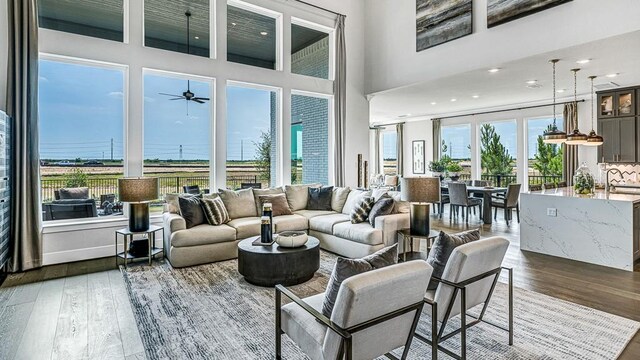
502 11
418 157
439 21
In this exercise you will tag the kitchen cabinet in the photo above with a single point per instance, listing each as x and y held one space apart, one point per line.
617 103
620 143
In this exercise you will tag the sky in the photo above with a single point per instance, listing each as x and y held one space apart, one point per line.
82 109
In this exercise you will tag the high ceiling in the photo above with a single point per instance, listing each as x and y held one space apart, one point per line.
509 86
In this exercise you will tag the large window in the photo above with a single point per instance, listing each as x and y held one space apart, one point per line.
177 25
456 146
545 162
81 108
498 149
309 51
96 18
309 140
252 118
177 141
251 36
389 152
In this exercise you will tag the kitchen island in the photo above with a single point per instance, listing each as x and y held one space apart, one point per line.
602 229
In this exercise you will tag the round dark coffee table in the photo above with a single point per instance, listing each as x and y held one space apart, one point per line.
272 265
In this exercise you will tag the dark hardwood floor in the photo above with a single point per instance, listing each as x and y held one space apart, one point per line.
81 310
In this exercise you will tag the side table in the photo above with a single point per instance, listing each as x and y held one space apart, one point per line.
413 255
128 238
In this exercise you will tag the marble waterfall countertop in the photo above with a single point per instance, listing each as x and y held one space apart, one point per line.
599 195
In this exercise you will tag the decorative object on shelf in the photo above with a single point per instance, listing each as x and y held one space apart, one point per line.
292 239
593 139
376 180
438 22
576 137
420 192
366 174
266 231
359 170
503 11
138 192
553 135
583 181
418 157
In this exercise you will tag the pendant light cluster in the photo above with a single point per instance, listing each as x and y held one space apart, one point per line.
553 135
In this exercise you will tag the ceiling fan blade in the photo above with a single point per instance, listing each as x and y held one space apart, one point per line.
197 100
170 94
179 98
202 98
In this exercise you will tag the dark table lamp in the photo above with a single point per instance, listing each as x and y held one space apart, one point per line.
138 192
420 192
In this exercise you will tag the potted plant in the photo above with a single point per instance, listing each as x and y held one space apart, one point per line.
454 169
437 168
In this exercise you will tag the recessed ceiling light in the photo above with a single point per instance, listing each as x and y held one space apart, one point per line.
494 70
433 103
560 91
454 100
404 115
264 33
531 82
583 61
612 75
197 37
475 96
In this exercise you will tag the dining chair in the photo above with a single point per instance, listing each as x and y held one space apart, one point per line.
508 202
191 189
562 184
535 187
549 186
458 197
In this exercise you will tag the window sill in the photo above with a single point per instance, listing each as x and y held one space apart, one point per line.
49 227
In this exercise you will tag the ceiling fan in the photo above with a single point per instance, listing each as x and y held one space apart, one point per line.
188 95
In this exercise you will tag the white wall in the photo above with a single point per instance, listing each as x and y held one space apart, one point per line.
64 243
417 130
392 60
4 34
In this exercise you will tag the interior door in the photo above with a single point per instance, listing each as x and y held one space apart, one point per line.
627 136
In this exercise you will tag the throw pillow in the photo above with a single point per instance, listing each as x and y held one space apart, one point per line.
320 198
298 195
352 200
361 211
339 197
382 207
214 211
239 203
378 193
259 192
191 210
74 193
345 268
171 204
279 204
443 247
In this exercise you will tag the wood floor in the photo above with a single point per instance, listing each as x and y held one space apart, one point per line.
81 310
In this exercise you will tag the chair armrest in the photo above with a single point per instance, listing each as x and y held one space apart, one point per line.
315 313
390 224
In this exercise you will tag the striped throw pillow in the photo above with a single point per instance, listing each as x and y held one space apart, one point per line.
361 210
215 211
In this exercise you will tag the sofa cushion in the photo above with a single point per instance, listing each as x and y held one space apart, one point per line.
319 198
239 204
279 204
382 207
399 206
339 197
352 200
313 213
363 233
246 227
326 223
298 195
214 211
171 204
290 222
74 193
203 235
260 192
191 210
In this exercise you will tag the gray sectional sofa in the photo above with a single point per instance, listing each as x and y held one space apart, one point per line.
206 243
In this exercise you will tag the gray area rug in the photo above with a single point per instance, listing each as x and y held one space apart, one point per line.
210 312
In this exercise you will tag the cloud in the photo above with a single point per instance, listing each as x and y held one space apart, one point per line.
116 94
179 122
149 99
43 79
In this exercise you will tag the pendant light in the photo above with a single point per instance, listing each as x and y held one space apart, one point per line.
576 137
553 135
593 139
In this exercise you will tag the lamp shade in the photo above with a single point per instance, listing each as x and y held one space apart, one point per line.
138 189
420 189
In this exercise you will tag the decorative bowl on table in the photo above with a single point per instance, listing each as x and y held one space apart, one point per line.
292 239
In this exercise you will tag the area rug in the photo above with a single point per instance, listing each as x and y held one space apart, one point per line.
211 312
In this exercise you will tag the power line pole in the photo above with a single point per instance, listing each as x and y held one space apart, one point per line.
241 149
180 152
111 149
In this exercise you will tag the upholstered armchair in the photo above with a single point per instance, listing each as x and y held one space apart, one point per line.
375 313
468 280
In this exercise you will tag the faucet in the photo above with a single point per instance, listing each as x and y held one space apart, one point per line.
611 171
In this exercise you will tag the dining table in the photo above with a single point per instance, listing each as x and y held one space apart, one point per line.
487 192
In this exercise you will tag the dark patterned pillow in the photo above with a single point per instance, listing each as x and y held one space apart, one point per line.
443 247
384 206
191 210
214 211
361 210
346 268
